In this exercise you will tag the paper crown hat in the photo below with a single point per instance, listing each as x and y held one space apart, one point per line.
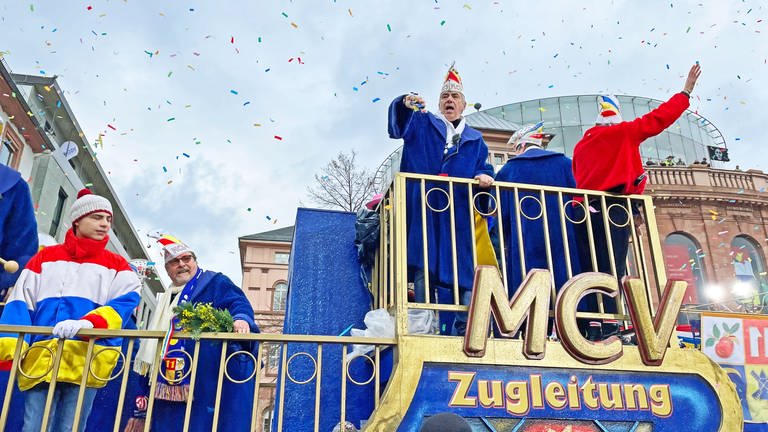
452 81
172 247
528 134
609 111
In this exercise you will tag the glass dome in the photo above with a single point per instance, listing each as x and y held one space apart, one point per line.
568 117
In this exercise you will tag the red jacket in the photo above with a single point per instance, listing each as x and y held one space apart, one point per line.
608 157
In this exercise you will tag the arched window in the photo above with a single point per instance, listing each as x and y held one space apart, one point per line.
266 419
747 258
684 260
279 296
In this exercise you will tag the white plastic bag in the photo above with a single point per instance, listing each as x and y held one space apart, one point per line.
422 321
378 323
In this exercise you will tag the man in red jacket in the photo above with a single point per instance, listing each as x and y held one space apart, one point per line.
608 159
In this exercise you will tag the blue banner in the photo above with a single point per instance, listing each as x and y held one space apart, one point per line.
527 399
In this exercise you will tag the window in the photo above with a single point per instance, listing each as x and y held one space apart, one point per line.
569 109
683 259
272 357
6 153
281 257
279 296
747 258
58 212
498 159
266 417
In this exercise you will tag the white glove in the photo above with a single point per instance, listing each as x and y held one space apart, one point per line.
69 328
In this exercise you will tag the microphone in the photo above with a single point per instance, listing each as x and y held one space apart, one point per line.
477 106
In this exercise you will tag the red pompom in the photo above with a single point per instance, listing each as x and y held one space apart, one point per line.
83 192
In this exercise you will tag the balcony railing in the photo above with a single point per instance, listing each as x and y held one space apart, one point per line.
703 177
272 367
644 258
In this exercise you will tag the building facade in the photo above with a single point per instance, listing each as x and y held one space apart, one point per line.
264 259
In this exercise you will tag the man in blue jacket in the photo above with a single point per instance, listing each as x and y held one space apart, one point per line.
440 144
536 166
190 283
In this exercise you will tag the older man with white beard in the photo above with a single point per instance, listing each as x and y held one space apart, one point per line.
192 284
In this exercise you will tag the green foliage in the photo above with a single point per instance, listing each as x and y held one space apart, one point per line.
197 318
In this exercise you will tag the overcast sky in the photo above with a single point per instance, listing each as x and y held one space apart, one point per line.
204 89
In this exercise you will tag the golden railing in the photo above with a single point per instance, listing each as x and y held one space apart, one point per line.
390 282
262 377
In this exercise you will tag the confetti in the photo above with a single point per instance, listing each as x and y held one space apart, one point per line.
185 155
165 169
89 7
294 25
442 22
285 14
171 119
376 100
350 12
722 233
389 28
278 137
234 92
111 127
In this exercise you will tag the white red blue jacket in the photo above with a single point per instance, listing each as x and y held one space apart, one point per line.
78 279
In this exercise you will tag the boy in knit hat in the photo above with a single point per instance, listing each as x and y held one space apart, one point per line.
75 285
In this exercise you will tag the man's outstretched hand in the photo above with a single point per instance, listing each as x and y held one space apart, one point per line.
693 75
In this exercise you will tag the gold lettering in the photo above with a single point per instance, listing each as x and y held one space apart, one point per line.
531 301
493 399
517 397
555 395
612 400
588 390
635 396
653 334
565 316
461 396
661 401
573 393
536 399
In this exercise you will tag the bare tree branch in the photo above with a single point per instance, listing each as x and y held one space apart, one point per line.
341 185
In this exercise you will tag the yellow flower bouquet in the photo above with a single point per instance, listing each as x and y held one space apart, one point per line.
197 318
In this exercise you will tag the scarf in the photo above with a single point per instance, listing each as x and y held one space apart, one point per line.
174 388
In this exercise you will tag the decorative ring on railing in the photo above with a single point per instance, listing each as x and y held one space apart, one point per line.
522 212
255 367
288 368
447 198
373 370
610 219
24 355
583 208
184 376
493 200
90 367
